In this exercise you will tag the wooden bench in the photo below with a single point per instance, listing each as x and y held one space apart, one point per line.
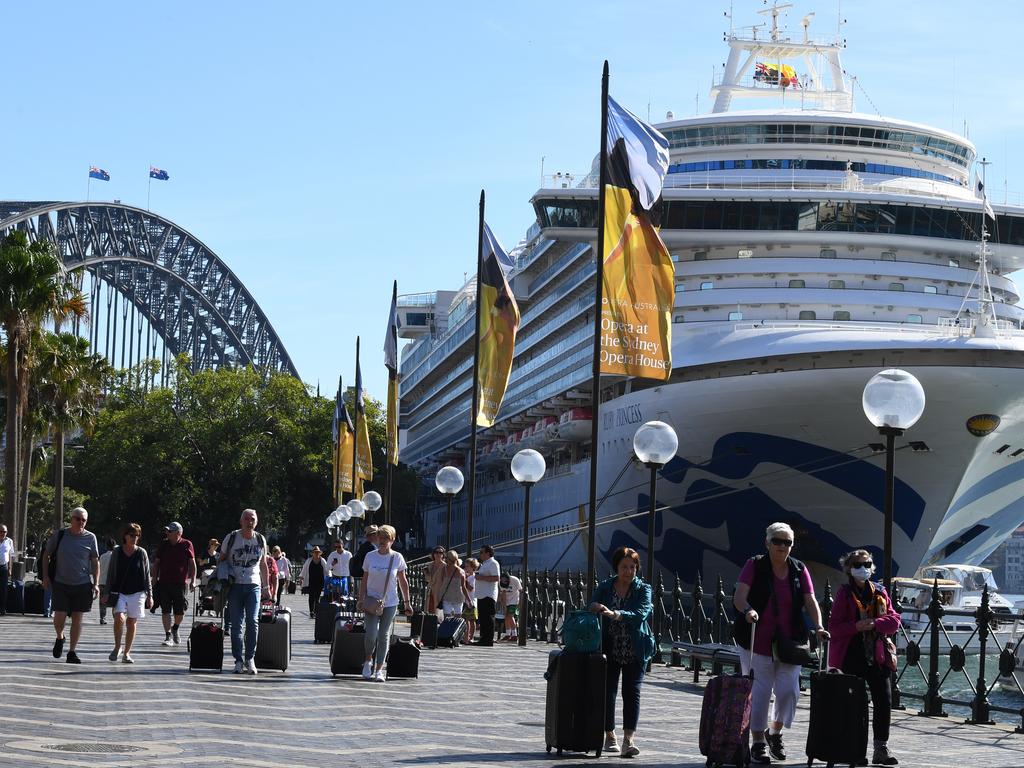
718 655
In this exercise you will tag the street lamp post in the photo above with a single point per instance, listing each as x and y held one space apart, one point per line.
449 481
372 501
357 512
528 468
341 514
893 401
655 444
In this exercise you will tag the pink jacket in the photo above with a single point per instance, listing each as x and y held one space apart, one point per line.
842 623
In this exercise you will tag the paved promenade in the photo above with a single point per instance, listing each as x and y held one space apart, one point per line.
469 707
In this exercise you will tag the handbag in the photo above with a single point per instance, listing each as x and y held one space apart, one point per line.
376 604
581 632
885 653
786 649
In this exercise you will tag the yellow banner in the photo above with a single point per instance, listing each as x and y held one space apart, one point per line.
392 424
345 462
364 459
637 293
498 322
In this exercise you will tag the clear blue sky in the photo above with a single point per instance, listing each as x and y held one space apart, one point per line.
324 148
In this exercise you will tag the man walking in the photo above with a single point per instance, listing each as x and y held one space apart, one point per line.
6 552
338 563
487 593
245 551
75 582
174 575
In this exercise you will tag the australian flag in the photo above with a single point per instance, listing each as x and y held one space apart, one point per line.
156 173
98 173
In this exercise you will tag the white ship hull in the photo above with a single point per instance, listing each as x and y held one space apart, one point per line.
792 446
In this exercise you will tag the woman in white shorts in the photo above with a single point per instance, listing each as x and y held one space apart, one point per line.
129 589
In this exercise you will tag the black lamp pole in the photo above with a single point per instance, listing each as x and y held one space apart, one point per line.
524 608
448 525
650 521
890 434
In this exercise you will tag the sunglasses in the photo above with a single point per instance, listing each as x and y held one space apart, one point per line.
782 542
866 564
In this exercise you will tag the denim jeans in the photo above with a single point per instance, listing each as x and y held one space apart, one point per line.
244 602
632 676
378 634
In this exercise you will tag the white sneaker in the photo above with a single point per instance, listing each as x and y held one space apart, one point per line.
250 666
379 676
168 642
238 667
367 670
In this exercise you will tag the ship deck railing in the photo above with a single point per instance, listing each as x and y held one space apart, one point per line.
946 327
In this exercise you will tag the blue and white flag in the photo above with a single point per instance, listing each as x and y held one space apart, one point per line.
157 173
98 173
491 245
645 149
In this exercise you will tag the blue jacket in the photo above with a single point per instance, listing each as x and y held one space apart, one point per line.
635 614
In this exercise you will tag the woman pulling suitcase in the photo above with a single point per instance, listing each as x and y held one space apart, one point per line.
861 623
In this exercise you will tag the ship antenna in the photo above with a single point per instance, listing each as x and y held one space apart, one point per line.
987 322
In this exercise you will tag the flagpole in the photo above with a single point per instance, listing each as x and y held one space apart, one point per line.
355 427
88 186
471 499
388 458
149 186
595 395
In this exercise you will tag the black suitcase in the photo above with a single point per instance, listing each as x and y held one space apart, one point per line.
274 641
347 648
837 731
33 602
424 626
403 659
323 627
451 631
16 597
574 711
206 646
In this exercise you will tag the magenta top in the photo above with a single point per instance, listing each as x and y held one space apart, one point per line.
842 623
768 619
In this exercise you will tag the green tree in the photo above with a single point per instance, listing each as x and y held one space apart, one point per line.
33 289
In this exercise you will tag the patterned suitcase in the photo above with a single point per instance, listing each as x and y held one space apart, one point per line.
274 641
725 720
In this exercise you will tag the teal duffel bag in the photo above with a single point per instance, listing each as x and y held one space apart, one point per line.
581 632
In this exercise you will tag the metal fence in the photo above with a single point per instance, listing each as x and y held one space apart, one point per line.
697 617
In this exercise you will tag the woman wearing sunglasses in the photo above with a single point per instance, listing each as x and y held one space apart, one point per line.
129 589
861 623
774 590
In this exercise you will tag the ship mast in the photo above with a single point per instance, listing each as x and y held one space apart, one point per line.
986 324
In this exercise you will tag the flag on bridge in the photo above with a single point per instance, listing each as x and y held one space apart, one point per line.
98 173
159 174
496 328
391 361
638 286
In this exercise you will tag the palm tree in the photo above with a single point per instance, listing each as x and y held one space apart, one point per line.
71 381
33 289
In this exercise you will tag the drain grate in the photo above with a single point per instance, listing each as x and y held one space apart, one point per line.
87 746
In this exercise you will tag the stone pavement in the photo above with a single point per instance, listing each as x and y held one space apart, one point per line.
469 707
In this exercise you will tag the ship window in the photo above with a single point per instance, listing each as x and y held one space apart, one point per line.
680 288
797 284
735 316
744 253
888 256
896 286
840 314
676 257
828 253
707 286
930 289
836 283
954 262
415 318
808 314
677 319
700 256
913 318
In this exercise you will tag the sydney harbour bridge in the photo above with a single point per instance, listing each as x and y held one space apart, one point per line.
154 290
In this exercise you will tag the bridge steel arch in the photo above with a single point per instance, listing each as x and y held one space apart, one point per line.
186 293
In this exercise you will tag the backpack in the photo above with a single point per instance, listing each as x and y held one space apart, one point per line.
224 567
51 564
581 632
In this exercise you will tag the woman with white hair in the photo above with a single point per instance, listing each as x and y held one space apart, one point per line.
862 623
774 591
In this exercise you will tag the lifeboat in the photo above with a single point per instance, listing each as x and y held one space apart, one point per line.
526 438
542 430
511 445
574 425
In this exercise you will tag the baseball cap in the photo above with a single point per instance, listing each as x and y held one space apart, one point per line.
175 527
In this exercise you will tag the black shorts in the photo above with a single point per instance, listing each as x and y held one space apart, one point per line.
172 599
71 598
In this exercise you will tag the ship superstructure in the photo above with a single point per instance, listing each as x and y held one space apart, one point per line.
814 246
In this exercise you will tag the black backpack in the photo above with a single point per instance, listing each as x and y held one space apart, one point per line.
51 564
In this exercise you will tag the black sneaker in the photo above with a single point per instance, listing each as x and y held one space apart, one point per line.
775 746
73 658
882 756
759 753
58 647
174 634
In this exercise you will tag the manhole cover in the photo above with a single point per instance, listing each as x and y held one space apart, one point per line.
85 746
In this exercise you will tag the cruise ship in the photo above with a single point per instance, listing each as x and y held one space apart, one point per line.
814 246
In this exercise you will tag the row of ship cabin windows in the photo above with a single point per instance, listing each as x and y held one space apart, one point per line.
808 314
824 253
799 283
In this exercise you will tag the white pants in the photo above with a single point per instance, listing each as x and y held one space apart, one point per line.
771 675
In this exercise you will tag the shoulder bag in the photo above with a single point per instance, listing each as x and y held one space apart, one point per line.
51 564
375 605
114 596
787 649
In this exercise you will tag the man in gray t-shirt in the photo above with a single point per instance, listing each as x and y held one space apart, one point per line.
76 580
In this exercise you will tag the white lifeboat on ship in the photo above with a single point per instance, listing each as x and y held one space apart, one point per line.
574 425
541 431
510 445
527 438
